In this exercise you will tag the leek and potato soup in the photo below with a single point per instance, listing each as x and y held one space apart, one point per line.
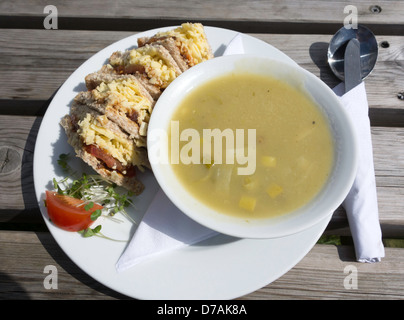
272 130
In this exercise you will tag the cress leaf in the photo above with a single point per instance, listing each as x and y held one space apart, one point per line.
89 206
90 232
95 214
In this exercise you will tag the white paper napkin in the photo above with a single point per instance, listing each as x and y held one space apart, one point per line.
361 203
165 228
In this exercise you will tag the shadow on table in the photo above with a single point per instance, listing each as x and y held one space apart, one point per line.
73 270
10 289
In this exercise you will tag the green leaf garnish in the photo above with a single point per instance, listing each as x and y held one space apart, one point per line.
89 206
86 233
95 214
93 189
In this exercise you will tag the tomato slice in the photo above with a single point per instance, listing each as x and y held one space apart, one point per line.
69 213
110 161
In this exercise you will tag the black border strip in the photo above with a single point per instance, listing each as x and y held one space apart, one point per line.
133 24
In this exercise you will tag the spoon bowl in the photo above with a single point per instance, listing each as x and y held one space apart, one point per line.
368 50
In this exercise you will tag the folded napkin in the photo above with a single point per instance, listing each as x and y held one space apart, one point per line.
165 228
361 202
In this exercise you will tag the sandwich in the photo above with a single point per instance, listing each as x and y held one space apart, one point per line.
187 44
152 61
101 143
107 124
107 73
163 57
123 99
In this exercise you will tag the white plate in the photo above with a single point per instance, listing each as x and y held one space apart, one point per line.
219 268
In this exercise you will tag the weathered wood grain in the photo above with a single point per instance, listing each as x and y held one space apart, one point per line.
247 16
25 255
37 62
17 143
320 275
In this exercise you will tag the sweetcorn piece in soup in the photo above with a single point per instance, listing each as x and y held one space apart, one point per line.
293 153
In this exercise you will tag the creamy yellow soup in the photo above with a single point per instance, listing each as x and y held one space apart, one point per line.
293 153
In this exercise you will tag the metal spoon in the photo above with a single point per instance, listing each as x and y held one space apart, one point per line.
368 50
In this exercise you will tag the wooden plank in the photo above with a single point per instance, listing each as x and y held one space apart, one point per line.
25 255
33 77
17 193
18 202
252 16
320 275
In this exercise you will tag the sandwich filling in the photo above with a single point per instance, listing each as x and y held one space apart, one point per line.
113 148
149 60
126 96
191 41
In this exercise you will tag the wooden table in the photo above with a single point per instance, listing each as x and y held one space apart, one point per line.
34 62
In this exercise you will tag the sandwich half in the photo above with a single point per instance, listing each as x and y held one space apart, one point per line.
187 44
152 61
105 147
124 100
107 74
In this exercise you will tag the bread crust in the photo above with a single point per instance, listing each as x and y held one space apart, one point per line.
169 44
108 74
115 115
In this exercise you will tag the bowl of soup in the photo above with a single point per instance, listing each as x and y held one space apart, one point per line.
252 147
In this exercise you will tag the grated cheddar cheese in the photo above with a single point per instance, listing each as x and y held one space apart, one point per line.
159 71
192 42
125 95
92 132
